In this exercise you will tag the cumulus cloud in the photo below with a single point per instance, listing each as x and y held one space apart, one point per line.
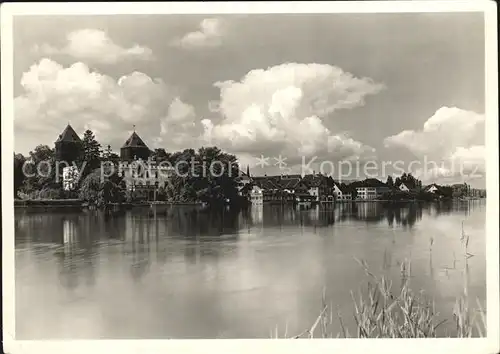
55 95
451 142
283 109
209 34
95 46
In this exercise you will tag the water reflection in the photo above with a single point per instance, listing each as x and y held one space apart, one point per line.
243 270
140 227
140 230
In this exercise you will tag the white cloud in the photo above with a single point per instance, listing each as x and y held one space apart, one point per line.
209 34
451 142
282 110
95 46
55 95
179 127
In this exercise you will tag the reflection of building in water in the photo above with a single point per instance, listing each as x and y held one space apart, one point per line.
343 211
67 255
137 243
314 213
69 233
405 216
257 212
368 211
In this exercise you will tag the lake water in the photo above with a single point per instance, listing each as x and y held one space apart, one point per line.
180 272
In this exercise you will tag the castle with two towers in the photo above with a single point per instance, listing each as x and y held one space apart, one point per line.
133 154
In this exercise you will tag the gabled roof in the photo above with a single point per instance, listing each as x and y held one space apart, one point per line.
69 135
134 141
343 187
432 185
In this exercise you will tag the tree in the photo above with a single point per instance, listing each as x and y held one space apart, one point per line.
100 192
354 193
19 176
390 181
91 152
40 169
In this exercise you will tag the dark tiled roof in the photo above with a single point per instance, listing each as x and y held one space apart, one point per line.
343 187
69 135
134 141
265 182
287 183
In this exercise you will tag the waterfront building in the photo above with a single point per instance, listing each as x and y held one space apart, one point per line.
433 188
370 189
320 187
342 192
256 195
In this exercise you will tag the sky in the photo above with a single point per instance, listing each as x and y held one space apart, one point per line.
329 93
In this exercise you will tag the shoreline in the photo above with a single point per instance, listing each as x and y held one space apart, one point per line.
79 204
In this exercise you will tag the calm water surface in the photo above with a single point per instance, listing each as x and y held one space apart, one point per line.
178 272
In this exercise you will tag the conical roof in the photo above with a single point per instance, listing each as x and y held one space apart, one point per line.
134 141
69 135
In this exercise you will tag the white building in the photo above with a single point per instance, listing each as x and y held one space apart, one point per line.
256 195
404 188
70 177
145 174
314 192
432 188
366 193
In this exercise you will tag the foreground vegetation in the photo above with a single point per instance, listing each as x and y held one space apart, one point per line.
381 311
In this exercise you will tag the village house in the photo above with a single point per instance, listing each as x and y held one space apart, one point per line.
403 187
279 189
342 192
432 188
68 148
370 189
256 195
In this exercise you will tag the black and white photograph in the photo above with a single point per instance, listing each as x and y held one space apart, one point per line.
253 172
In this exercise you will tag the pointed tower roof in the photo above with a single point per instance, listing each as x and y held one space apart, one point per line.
134 141
69 135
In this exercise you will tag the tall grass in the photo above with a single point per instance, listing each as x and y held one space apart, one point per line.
385 311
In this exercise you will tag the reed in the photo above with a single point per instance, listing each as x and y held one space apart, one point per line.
384 312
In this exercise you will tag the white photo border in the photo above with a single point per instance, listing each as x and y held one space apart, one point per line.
487 345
